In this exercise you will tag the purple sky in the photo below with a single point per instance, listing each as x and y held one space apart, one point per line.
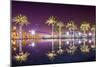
38 13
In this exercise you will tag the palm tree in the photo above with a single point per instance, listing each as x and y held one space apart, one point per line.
21 20
93 29
60 25
52 21
85 27
71 26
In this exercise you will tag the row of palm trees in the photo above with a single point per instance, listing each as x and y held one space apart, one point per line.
23 20
71 26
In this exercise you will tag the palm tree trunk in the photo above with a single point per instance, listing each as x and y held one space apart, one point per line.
94 34
59 38
84 39
84 34
73 37
52 38
20 36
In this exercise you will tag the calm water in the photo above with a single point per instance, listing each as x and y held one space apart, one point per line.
39 48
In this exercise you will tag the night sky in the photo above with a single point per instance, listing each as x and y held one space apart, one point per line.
38 13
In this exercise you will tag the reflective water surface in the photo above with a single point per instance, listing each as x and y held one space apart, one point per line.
42 51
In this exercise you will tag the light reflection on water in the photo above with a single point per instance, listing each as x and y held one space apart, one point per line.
40 50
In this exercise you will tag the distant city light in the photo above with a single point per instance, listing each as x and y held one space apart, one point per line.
79 33
32 32
79 41
33 44
90 41
67 42
90 33
67 33
20 32
14 27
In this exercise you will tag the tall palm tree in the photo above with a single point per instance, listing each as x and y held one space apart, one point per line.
71 26
93 29
52 21
85 27
60 26
21 20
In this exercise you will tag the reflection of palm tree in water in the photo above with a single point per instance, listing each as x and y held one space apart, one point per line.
85 48
71 48
21 20
93 45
